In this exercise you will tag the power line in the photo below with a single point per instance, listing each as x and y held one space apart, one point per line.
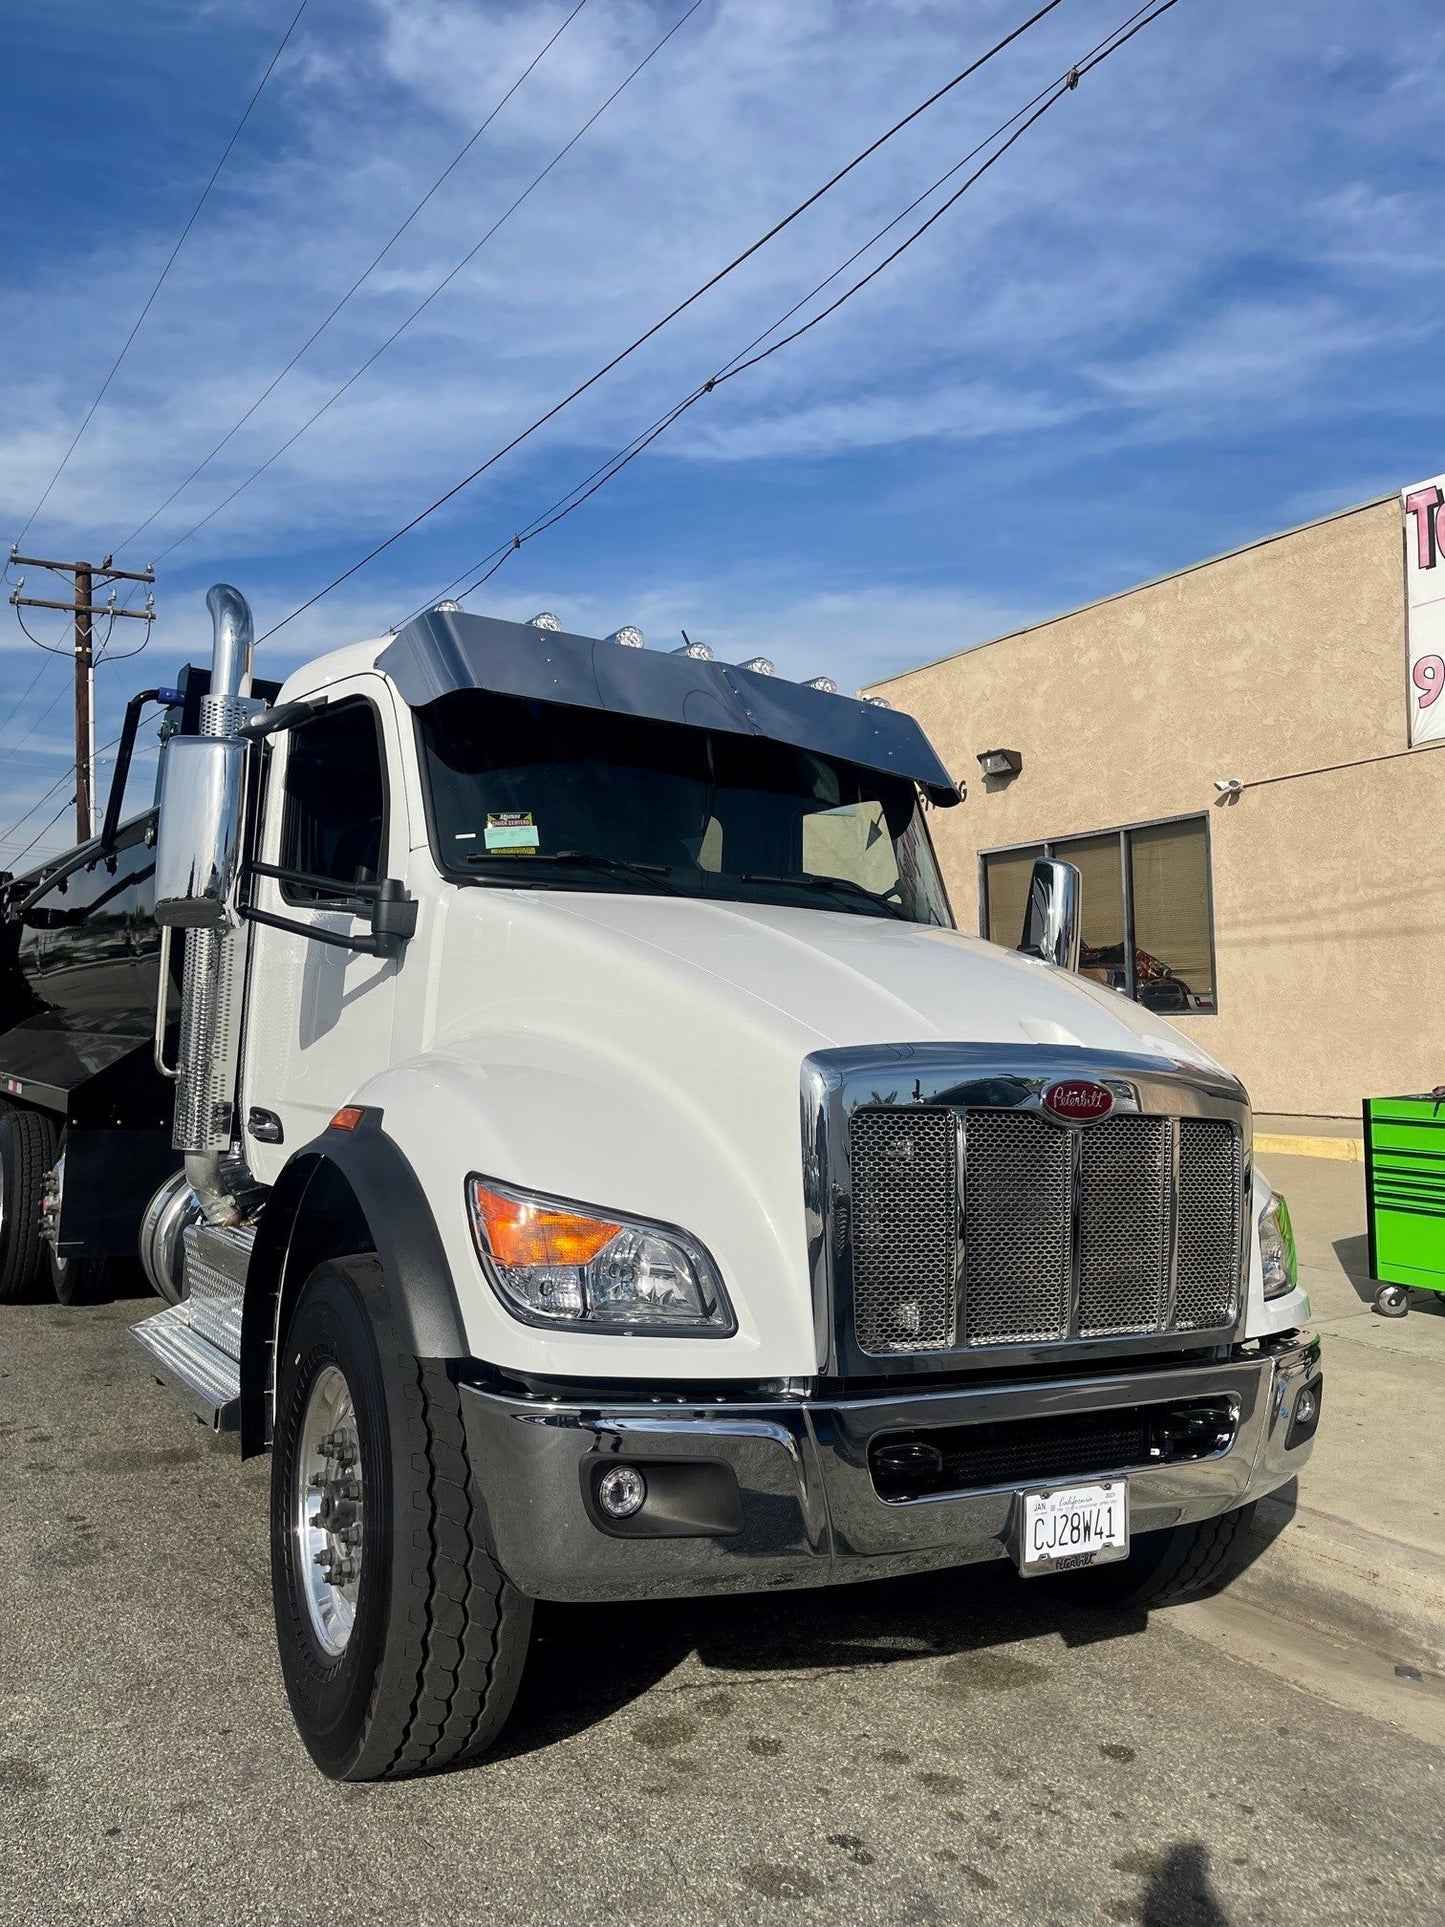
720 275
170 262
397 332
41 801
14 860
10 748
365 275
745 358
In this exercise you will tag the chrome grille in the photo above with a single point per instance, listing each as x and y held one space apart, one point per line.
905 1237
1210 1197
1016 1228
1124 1227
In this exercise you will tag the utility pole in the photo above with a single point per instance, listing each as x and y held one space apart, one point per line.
84 609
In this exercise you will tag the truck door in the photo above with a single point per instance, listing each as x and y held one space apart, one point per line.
319 1017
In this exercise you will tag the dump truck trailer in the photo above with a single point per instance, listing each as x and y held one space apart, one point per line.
542 1080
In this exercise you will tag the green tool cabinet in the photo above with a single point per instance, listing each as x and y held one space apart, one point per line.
1405 1197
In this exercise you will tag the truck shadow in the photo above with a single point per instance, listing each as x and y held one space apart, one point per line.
966 1616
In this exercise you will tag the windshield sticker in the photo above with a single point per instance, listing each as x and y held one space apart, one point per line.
511 830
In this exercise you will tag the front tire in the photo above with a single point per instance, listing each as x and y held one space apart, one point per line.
1166 1568
401 1642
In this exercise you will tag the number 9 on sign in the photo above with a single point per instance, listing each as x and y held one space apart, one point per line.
1428 676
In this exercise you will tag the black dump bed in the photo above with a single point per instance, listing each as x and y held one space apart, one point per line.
79 962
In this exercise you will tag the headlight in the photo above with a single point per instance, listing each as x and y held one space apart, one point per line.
1276 1248
557 1263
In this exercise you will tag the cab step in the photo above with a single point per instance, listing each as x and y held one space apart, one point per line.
177 1355
196 1345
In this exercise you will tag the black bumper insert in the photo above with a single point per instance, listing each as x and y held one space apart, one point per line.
967 1458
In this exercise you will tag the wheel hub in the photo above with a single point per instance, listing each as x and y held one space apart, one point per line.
328 1509
50 1209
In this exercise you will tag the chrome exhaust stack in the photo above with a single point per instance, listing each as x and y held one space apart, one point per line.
198 847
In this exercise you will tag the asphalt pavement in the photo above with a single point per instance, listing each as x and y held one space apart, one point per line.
956 1748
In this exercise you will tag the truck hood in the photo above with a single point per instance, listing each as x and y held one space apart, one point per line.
849 979
643 1054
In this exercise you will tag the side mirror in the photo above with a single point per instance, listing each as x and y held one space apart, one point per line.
393 917
200 829
1051 922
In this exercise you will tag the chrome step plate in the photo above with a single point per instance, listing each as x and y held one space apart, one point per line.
177 1355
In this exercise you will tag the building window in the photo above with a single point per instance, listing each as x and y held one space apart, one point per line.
1148 926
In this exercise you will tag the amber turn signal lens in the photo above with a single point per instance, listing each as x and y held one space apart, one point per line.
518 1233
348 1117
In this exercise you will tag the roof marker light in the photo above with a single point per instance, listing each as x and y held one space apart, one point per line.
546 620
760 666
825 683
874 702
446 608
699 651
629 636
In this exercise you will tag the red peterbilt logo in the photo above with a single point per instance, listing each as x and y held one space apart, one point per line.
1078 1100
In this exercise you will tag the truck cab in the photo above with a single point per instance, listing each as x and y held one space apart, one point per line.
597 1168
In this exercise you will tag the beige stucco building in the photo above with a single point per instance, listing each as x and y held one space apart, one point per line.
1296 925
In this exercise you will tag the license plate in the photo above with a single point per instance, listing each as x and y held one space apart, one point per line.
1077 1525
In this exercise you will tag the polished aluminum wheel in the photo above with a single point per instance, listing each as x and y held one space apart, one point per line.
328 1510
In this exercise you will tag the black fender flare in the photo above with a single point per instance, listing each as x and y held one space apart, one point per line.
359 1192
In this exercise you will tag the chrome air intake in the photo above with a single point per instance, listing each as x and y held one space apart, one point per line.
198 846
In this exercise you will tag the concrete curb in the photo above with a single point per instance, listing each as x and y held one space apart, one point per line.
1313 1568
1277 1144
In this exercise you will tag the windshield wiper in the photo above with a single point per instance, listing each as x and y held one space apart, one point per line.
655 873
802 879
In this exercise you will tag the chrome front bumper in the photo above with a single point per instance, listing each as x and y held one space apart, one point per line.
790 1499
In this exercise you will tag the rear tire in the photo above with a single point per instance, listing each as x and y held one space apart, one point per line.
78 1281
406 1655
1166 1568
27 1152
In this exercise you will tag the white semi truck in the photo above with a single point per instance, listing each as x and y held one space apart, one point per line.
544 1081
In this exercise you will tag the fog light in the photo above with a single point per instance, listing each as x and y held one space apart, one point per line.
621 1491
1304 1420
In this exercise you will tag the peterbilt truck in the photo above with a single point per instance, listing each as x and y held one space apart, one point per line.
543 1080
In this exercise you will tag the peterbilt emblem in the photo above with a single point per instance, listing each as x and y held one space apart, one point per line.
1078 1100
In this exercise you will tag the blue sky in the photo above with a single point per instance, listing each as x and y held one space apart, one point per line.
1200 301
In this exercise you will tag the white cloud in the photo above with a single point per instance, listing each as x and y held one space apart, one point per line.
1222 227
1253 351
1100 224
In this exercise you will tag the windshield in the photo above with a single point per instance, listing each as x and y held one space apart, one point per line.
549 796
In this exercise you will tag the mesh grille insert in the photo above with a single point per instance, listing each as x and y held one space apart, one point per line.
1124 1226
905 1229
1210 1195
1016 1231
